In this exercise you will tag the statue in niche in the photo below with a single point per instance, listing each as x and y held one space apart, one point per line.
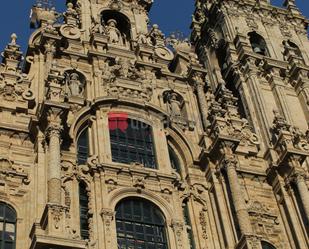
74 84
113 32
175 105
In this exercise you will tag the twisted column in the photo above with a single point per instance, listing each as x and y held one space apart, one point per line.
54 169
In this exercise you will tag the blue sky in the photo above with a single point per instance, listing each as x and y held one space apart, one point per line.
171 15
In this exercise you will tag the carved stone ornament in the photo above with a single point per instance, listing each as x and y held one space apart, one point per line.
164 53
14 85
71 30
141 81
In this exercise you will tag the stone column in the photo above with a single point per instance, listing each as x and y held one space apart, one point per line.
202 103
299 179
229 163
54 169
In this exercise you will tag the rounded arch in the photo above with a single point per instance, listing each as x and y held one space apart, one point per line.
175 134
123 193
267 245
123 22
182 145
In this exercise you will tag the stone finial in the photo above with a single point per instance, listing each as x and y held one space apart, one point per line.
13 39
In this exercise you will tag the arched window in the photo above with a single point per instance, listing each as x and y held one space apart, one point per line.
140 224
258 44
266 245
174 159
83 147
83 211
7 226
117 26
131 141
291 50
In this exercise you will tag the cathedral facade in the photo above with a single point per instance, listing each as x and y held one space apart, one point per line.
113 136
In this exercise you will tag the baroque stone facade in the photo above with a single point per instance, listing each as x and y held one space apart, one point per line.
114 136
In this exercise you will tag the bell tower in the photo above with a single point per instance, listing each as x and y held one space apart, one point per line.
259 52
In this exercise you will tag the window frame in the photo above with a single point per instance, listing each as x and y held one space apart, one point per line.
133 237
3 207
142 156
78 159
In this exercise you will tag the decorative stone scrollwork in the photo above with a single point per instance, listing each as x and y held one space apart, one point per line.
116 77
71 29
203 222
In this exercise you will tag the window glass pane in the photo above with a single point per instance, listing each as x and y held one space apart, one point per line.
82 147
131 141
9 232
7 227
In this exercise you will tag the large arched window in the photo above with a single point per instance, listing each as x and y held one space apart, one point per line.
266 245
83 147
131 141
7 226
140 224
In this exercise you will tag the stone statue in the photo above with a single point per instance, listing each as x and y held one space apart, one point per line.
74 84
175 105
113 32
143 39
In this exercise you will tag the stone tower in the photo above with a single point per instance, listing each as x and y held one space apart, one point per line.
259 55
113 136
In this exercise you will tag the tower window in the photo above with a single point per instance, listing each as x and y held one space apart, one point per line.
258 44
131 141
7 226
82 147
140 224
83 211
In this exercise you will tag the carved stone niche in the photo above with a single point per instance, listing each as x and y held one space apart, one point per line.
74 85
176 107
